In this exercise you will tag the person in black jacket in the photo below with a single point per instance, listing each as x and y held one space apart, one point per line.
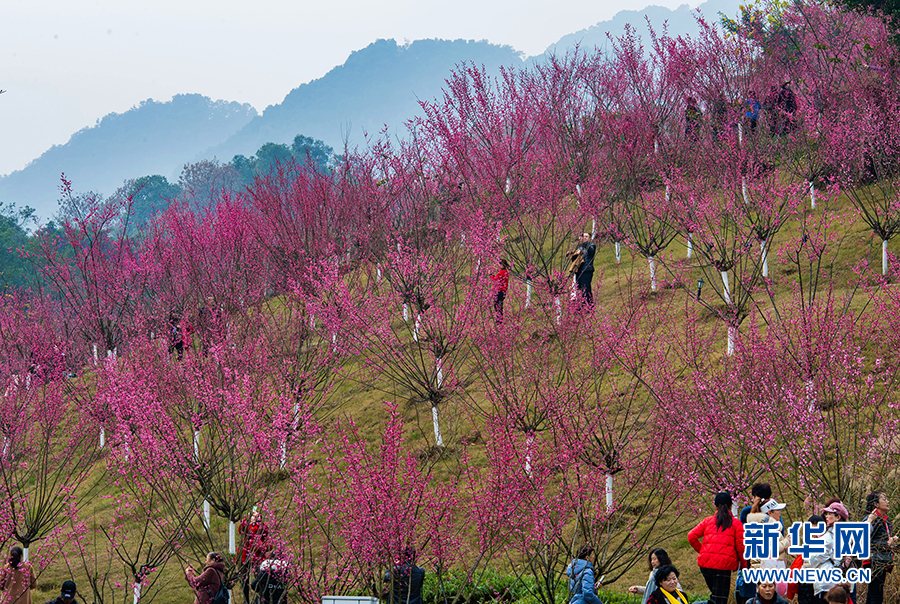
66 594
269 584
883 543
585 272
667 593
404 582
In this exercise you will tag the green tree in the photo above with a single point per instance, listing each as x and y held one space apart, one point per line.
14 268
315 151
150 194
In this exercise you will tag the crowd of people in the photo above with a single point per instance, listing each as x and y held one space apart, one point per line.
719 542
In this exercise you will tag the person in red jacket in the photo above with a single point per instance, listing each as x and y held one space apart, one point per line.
719 540
501 285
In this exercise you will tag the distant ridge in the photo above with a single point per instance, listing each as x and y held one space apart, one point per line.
151 138
378 86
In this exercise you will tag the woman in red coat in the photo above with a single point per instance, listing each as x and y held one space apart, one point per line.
719 540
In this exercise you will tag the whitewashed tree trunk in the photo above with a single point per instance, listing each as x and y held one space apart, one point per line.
405 312
812 195
102 437
438 439
137 593
25 556
726 289
609 492
884 258
618 252
232 545
690 244
96 358
378 271
558 305
593 228
764 253
744 190
655 146
652 261
527 293
508 186
740 133
112 354
416 328
206 513
312 321
333 341
730 348
5 446
439 371
282 456
196 446
668 197
578 189
528 443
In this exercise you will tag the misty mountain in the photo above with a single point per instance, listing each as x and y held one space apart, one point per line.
377 86
151 138
679 22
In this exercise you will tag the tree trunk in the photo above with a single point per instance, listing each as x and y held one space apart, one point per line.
726 289
137 593
558 305
527 293
812 195
730 348
609 492
439 369
690 244
528 443
744 190
764 252
416 329
206 513
652 263
618 247
884 258
232 547
196 446
438 440
102 437
405 312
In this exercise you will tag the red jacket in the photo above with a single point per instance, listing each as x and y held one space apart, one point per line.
501 280
720 549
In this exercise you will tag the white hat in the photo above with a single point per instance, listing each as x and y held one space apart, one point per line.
772 505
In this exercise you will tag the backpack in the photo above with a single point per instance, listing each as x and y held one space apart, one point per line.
222 596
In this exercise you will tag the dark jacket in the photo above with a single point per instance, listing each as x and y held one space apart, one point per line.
757 600
658 597
269 588
587 266
405 584
882 556
207 584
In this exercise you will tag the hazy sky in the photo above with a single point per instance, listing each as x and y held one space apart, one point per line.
66 63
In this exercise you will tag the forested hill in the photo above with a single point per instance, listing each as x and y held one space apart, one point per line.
151 138
377 86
